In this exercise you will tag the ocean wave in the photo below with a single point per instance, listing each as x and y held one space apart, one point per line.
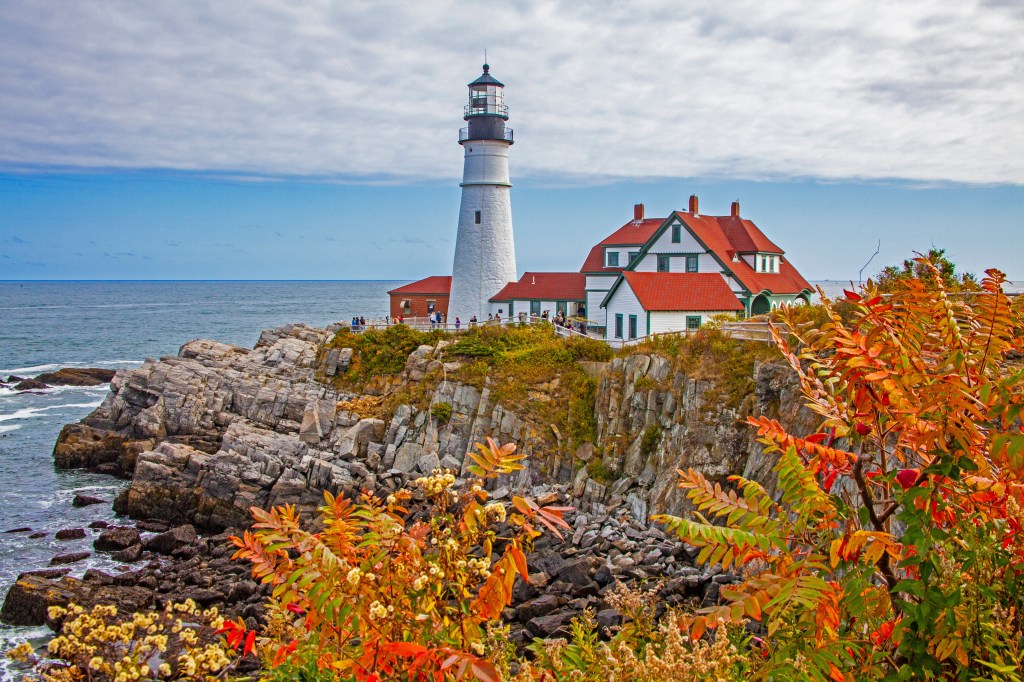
7 428
32 412
29 371
36 370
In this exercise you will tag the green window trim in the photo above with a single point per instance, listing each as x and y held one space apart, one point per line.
611 259
691 263
664 262
632 327
692 322
677 231
618 325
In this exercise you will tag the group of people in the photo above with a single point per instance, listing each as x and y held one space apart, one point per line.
358 324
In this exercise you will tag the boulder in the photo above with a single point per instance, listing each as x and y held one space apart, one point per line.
70 534
81 500
116 539
129 555
169 541
77 376
70 558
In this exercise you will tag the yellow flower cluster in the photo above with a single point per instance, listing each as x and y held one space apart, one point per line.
495 510
96 644
438 482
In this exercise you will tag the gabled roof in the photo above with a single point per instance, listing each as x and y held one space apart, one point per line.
546 286
716 233
438 285
679 291
633 233
745 236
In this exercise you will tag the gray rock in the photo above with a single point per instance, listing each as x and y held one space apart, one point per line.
116 539
70 558
175 538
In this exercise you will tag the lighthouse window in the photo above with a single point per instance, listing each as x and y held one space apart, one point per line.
477 218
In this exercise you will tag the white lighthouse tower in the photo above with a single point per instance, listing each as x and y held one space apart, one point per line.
485 258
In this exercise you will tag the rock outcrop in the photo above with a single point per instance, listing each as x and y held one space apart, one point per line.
218 429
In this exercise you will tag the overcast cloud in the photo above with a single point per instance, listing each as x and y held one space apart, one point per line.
373 91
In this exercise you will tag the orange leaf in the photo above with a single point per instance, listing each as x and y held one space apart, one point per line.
520 560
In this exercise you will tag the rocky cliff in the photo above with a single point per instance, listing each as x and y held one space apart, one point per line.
217 429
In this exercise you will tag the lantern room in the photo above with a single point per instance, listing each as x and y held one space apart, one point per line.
486 111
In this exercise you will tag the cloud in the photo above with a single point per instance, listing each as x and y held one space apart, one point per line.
119 254
924 90
18 240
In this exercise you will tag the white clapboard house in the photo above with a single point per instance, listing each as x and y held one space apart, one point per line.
672 274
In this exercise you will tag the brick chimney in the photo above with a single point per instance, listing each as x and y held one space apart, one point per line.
693 204
735 209
638 211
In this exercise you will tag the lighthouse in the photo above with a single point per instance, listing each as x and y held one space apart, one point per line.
485 259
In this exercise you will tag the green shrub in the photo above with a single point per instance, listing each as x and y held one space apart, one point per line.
599 472
649 441
442 412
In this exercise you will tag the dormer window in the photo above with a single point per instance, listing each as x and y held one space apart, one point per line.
677 233
612 259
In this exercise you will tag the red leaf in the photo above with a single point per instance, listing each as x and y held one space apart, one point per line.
907 477
852 296
250 643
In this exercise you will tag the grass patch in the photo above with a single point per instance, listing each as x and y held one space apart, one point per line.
380 352
600 473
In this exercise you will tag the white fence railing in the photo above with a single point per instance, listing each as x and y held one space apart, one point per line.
424 324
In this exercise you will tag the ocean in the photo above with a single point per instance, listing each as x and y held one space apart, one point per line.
47 325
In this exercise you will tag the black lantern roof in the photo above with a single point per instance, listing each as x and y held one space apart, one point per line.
487 79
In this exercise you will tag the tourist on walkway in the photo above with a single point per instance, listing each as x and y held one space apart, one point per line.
458 322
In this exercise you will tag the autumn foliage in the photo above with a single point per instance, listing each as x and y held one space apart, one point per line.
893 547
383 593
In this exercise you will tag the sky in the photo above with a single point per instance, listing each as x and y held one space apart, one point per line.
318 140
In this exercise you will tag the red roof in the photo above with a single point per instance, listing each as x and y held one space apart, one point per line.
682 291
745 236
439 285
546 286
718 232
633 233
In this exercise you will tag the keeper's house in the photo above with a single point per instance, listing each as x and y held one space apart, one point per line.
673 274
538 292
421 298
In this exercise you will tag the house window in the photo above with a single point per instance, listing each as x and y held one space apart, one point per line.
764 263
511 305
406 308
633 255
477 217
613 259
618 325
632 326
535 308
663 263
691 263
677 232
431 305
692 322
